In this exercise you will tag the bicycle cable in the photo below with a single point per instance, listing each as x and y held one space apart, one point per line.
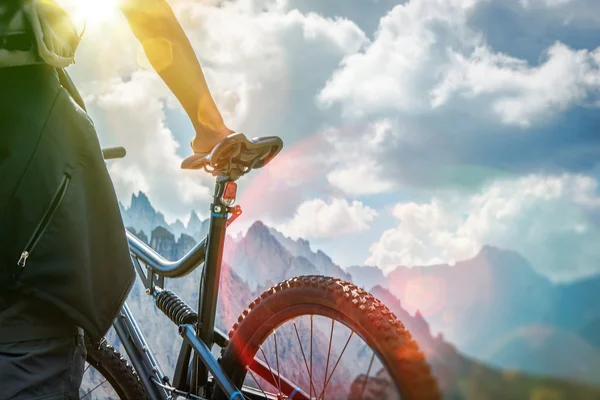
175 391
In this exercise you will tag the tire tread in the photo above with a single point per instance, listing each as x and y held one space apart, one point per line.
415 377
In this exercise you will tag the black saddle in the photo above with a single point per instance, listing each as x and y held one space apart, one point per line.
235 155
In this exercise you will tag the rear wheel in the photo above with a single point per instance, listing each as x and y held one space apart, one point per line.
316 337
108 375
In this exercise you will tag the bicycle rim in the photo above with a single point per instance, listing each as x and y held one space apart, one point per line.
359 349
322 356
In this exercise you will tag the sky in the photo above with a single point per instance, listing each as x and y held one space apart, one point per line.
415 131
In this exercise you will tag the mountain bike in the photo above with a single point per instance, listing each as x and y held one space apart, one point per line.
287 344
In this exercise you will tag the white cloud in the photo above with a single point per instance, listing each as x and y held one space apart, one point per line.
254 64
522 94
544 218
134 110
403 60
354 169
361 178
424 96
425 56
319 219
260 74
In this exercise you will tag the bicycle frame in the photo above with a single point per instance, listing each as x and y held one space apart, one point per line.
198 337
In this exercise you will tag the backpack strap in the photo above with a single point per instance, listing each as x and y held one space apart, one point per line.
67 83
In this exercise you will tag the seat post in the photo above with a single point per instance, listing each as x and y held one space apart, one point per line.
209 290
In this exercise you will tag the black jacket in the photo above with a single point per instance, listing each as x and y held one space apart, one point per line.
61 234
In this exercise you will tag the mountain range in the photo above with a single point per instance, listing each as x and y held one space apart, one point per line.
496 308
491 310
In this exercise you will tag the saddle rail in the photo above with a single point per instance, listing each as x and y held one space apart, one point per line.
236 155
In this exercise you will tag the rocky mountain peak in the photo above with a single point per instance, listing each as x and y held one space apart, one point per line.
178 224
505 264
196 227
163 241
194 220
142 215
259 235
141 202
258 256
258 228
301 248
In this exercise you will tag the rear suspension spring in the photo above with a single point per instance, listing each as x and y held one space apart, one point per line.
175 308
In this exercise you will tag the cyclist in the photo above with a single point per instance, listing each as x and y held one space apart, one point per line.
64 261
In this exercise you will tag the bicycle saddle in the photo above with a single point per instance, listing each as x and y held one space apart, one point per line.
235 155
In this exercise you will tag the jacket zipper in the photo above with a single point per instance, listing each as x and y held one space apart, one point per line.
41 227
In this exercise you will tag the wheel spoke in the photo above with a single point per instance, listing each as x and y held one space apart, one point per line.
255 380
311 342
305 362
362 393
283 387
270 370
337 362
277 360
327 364
96 387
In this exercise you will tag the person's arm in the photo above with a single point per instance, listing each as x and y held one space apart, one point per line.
170 53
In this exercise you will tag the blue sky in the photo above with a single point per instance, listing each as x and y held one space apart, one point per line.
415 131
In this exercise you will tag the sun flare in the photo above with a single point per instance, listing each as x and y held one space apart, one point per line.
90 12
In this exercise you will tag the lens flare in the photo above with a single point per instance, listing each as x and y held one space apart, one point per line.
90 12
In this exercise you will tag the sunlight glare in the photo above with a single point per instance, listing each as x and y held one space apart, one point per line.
90 12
